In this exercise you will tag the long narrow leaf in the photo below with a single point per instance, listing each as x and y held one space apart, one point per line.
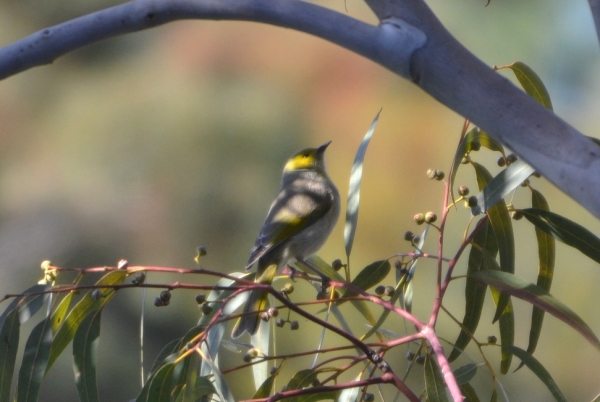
502 225
502 185
434 381
531 83
539 370
35 361
88 304
28 305
475 136
475 291
546 258
85 346
354 188
565 230
468 392
537 296
9 344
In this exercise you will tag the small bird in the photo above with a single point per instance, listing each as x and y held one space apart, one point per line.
297 225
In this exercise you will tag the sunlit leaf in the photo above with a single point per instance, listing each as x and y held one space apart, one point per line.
221 385
161 384
506 323
565 230
475 291
88 304
534 365
537 296
502 185
531 83
435 387
85 346
354 188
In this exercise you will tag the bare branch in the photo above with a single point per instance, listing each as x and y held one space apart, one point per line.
595 8
409 41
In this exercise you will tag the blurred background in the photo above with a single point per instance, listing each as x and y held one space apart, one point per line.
146 146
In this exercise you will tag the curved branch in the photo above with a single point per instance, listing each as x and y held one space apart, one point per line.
409 41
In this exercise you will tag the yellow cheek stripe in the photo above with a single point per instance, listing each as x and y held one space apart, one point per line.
299 162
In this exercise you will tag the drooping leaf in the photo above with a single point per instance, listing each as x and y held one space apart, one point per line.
506 323
28 304
531 83
265 389
502 226
220 383
86 305
406 295
472 139
9 344
475 291
537 296
465 373
502 185
85 346
35 361
538 369
302 379
161 384
565 230
546 258
435 387
468 392
354 188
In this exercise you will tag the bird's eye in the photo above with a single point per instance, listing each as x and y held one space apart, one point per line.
305 156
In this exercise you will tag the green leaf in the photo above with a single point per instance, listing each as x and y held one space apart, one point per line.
161 384
166 351
435 387
87 305
9 344
464 374
265 389
468 392
475 291
221 386
565 230
546 258
506 323
302 379
531 83
539 370
354 188
502 185
370 276
27 304
35 361
537 296
502 225
85 346
466 145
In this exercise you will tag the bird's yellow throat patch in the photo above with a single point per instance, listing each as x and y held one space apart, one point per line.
302 160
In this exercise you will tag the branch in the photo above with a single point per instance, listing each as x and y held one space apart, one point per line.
409 41
595 9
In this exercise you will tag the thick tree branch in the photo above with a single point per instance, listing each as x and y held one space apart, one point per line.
410 41
595 8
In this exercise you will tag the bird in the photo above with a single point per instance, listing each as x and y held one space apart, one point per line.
297 225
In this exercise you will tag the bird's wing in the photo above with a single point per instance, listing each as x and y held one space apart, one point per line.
290 213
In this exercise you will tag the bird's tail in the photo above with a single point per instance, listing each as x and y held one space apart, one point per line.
250 320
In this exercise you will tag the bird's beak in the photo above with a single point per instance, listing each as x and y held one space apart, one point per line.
323 147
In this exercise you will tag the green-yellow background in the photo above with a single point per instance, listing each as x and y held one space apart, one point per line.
146 146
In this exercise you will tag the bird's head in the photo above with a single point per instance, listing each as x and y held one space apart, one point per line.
308 159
